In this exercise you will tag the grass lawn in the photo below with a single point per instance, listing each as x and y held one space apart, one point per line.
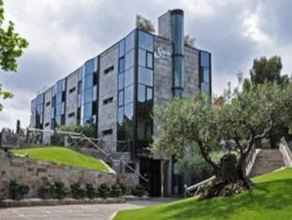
270 200
63 156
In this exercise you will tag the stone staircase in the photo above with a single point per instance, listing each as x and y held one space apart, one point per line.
266 161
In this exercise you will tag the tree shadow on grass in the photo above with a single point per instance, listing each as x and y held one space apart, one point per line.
276 195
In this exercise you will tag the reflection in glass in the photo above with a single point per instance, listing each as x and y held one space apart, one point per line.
141 93
145 41
129 111
129 59
129 94
145 76
142 58
129 77
130 41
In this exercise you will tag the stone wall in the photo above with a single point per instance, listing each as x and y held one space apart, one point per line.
33 174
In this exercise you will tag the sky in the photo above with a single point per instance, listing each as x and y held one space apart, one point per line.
63 34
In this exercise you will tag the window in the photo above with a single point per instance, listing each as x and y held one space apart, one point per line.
141 93
205 59
79 88
206 75
149 94
129 95
129 111
72 90
121 78
145 41
121 98
120 115
72 114
129 62
88 81
107 101
47 124
88 96
95 78
109 69
87 111
145 76
178 71
142 58
121 64
129 77
130 41
48 103
149 60
107 132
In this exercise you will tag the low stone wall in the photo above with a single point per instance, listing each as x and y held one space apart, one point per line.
35 173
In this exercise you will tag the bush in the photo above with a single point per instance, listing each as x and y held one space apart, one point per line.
138 191
116 190
124 189
77 191
60 191
90 191
17 191
56 190
103 191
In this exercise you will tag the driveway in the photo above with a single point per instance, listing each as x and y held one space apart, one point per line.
73 212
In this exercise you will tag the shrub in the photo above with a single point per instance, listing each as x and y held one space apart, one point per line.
103 191
116 190
17 191
139 191
77 191
59 190
90 191
124 189
44 192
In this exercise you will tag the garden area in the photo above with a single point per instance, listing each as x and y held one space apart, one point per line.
270 199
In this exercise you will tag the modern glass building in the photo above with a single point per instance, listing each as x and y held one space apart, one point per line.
117 90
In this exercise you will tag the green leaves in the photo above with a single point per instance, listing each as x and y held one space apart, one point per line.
11 48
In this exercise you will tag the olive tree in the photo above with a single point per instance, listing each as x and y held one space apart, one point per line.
11 48
232 127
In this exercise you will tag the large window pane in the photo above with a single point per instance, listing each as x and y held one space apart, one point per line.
129 59
205 59
206 75
87 111
88 96
145 76
88 81
129 95
121 115
142 57
149 60
89 67
129 111
130 41
178 71
149 94
121 64
141 93
145 41
121 98
121 78
129 77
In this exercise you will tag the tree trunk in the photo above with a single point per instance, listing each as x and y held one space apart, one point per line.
230 179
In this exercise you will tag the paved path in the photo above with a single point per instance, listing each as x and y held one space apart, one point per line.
72 212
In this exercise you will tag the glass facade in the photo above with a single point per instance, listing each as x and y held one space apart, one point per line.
89 92
205 72
39 111
177 33
126 89
58 104
144 103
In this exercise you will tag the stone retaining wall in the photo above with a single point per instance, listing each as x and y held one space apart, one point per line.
35 173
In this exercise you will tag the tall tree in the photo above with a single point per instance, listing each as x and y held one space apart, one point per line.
233 128
11 48
267 70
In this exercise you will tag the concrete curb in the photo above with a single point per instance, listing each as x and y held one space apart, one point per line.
55 202
113 215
